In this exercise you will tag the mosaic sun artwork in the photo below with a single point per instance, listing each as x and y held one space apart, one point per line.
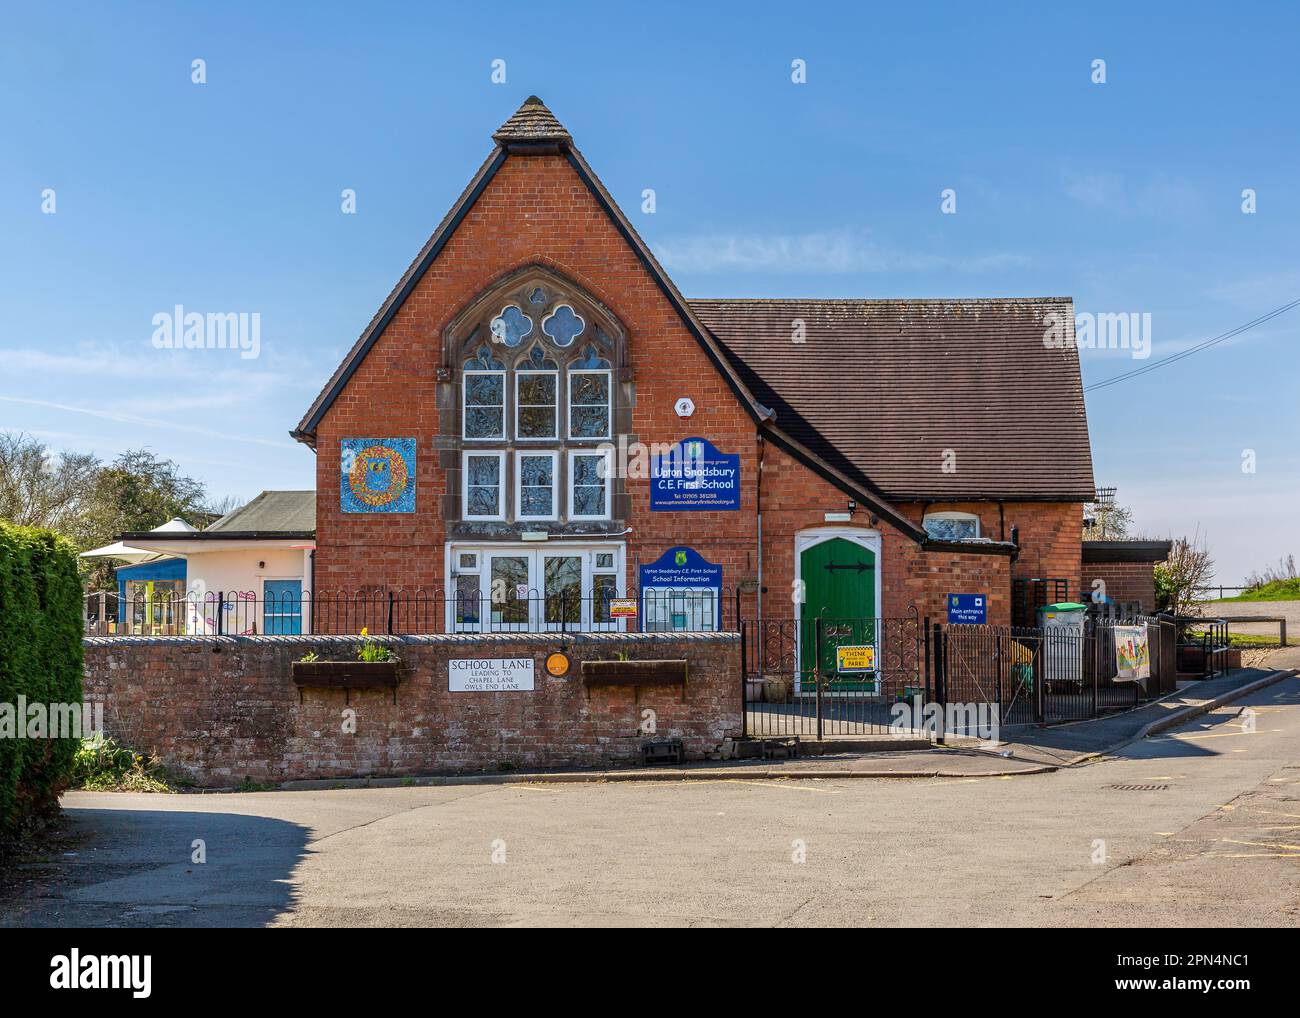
378 475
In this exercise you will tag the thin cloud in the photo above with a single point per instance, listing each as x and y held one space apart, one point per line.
1111 192
1267 289
831 252
148 422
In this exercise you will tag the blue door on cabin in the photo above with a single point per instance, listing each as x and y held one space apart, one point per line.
282 607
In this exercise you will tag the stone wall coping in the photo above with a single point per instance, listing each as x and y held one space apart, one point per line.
447 639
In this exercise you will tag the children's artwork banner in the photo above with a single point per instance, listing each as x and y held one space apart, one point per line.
377 475
1132 653
693 474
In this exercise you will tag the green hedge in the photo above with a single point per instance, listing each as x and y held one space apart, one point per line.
41 659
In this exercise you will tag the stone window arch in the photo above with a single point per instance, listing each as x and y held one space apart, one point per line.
535 369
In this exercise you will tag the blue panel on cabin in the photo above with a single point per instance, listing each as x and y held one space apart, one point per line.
164 569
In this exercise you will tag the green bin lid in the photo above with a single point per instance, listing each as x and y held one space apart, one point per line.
1066 606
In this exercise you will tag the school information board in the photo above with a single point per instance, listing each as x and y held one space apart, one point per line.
693 474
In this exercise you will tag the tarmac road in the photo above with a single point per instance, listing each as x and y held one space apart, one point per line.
1217 844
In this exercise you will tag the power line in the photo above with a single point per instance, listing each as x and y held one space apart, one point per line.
1204 345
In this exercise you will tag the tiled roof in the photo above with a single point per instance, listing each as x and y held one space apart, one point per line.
271 511
881 389
532 122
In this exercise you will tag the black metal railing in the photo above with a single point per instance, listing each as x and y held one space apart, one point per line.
1052 674
410 613
1029 594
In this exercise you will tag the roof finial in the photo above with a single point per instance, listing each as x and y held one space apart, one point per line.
532 124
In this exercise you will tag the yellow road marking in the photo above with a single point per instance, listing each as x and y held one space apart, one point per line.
1263 844
1275 812
801 784
1219 735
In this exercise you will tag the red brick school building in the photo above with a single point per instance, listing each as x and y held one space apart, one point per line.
537 410
538 444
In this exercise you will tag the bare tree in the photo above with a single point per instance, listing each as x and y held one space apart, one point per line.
1106 521
92 502
39 488
1183 575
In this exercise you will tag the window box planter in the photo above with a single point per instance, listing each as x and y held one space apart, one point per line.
346 674
634 673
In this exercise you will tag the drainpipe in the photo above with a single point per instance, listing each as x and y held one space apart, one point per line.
758 519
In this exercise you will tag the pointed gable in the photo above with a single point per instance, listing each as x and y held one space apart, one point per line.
532 131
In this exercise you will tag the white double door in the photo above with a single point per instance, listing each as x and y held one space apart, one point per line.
533 590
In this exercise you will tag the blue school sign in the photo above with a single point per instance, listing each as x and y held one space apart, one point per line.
693 474
680 567
967 609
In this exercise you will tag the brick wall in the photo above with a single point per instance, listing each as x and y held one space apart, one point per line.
1051 533
795 501
220 710
1125 582
536 210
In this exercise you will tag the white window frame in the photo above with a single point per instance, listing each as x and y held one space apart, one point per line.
554 457
609 404
586 549
555 407
464 405
952 516
465 485
609 487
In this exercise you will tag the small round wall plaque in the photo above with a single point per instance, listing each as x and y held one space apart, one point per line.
557 664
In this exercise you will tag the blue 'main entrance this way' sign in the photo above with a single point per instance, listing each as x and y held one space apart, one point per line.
693 474
968 609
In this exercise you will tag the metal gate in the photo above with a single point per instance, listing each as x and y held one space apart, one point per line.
1045 676
827 678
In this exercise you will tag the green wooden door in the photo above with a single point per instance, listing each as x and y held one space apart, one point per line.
839 579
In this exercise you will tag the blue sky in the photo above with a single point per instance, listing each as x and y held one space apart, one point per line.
225 196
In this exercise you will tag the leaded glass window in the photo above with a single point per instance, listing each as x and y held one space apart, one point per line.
511 326
536 413
483 483
952 526
588 486
563 325
589 404
485 404
536 491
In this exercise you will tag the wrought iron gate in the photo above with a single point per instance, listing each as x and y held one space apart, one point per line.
828 677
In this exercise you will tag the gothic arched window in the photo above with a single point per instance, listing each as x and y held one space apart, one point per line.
536 358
